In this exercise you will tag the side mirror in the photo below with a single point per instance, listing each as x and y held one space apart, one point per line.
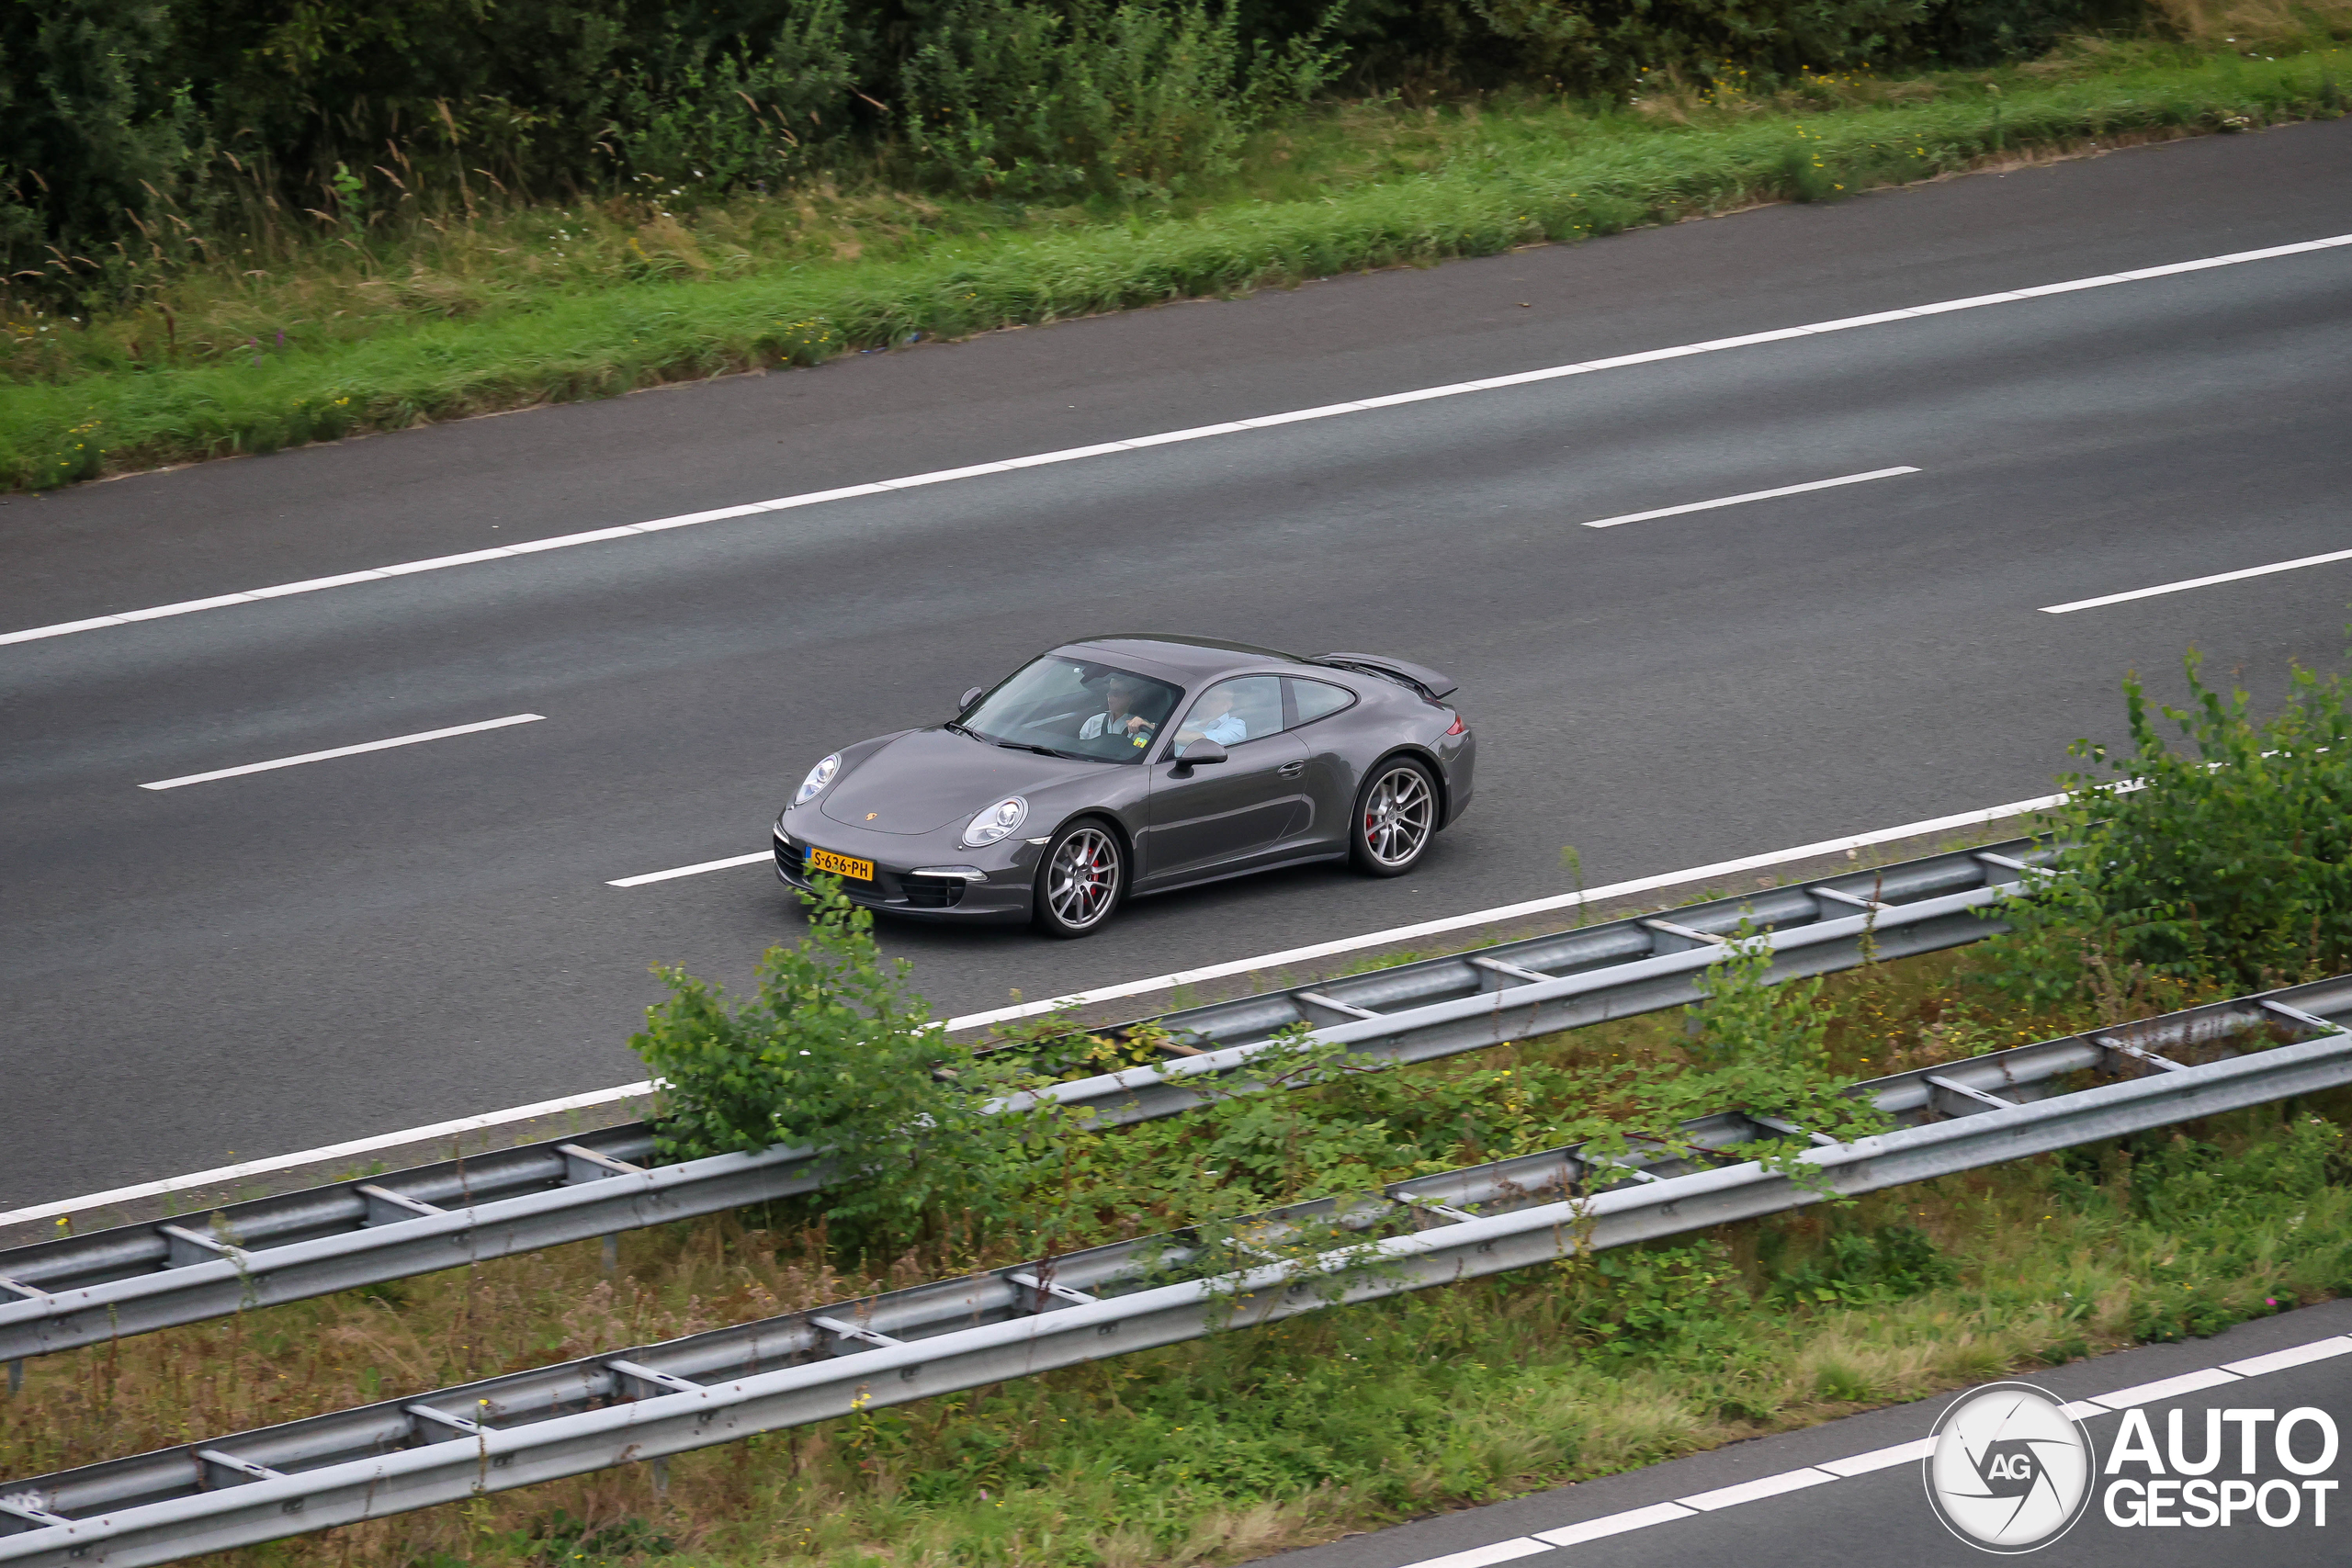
1200 753
971 694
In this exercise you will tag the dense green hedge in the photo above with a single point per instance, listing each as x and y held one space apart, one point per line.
143 126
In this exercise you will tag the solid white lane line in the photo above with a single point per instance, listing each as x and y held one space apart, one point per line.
2300 1355
1484 1556
346 751
221 1175
1763 1486
1393 399
691 870
980 1019
1882 1459
2186 584
2166 1388
1751 495
1616 1523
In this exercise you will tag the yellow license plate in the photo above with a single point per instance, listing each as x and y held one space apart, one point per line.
840 865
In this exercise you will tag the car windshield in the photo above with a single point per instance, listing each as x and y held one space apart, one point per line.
1075 707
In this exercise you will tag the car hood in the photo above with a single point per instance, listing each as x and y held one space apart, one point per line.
928 779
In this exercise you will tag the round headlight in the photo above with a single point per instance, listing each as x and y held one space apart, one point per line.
819 777
997 821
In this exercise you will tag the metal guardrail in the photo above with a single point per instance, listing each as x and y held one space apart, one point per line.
650 1401
75 1291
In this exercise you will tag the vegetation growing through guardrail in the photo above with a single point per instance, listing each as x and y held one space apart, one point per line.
830 1052
1250 1442
2227 861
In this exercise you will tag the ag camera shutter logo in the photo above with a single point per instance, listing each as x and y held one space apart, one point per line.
2010 1471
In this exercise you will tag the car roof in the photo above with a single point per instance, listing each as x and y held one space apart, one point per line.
1194 657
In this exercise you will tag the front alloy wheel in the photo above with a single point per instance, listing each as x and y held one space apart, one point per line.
1396 819
1079 883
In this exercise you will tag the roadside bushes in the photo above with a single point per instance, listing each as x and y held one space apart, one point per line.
154 132
742 115
831 1051
1609 43
2223 862
1009 98
96 127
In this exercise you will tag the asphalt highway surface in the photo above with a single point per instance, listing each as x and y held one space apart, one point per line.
275 959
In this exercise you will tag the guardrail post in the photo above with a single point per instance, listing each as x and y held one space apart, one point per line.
16 1375
612 1251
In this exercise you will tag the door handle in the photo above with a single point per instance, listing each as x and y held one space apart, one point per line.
1291 770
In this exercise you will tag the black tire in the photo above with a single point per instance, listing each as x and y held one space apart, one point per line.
1397 815
1080 879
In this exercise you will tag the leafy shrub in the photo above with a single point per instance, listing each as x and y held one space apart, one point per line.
1006 97
1747 1021
2187 1184
730 117
93 135
1632 1299
831 1051
1767 1046
1856 1268
2227 861
1591 46
1989 32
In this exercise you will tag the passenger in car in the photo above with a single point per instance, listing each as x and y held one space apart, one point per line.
1212 718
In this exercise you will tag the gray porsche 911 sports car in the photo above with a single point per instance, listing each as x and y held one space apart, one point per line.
1122 765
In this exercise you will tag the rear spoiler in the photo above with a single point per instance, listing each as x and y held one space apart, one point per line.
1420 677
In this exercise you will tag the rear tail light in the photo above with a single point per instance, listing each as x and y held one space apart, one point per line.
1460 727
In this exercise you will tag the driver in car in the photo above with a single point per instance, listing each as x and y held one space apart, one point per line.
1119 718
1212 718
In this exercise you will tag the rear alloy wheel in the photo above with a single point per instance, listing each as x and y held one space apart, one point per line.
1396 817
1079 883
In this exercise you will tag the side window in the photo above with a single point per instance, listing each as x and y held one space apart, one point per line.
1233 711
1316 699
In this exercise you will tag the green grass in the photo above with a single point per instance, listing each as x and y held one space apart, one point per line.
354 333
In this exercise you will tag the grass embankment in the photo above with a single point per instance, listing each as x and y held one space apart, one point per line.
354 333
1259 1440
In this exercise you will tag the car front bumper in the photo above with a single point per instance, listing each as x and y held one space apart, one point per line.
997 883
